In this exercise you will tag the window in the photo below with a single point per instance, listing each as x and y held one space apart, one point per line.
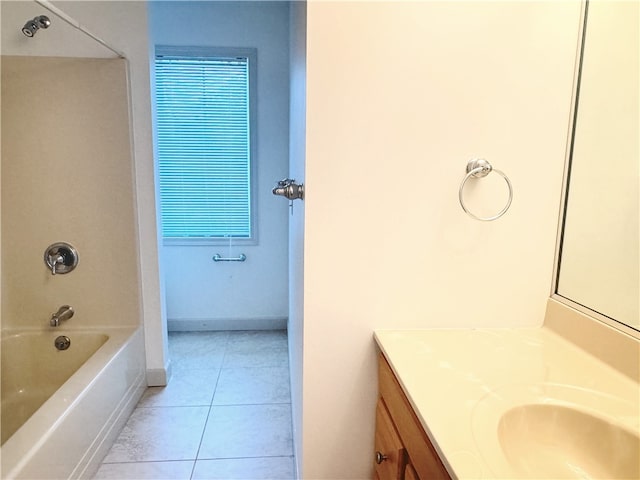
205 121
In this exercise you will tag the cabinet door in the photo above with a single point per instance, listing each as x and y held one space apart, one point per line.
410 473
423 455
390 456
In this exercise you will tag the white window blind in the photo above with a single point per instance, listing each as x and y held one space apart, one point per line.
204 148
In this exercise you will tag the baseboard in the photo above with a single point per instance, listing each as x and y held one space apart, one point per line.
159 377
212 324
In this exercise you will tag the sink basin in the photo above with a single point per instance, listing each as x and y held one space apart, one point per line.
552 431
556 441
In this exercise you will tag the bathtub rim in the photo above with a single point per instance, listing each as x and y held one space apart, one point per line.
27 346
19 449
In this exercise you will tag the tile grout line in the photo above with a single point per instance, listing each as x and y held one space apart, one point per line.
204 429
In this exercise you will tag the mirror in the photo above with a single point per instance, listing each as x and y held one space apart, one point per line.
598 250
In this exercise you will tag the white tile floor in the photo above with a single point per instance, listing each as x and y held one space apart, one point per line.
226 413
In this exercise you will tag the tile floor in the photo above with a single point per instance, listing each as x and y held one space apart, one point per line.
226 413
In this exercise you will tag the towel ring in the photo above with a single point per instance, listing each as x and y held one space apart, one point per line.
480 168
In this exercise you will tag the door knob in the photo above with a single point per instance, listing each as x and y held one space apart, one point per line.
290 189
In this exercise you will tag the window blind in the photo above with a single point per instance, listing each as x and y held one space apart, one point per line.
203 141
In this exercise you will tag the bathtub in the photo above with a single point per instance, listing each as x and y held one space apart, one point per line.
61 410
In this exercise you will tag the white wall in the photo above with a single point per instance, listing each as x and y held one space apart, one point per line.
399 97
297 135
201 293
59 40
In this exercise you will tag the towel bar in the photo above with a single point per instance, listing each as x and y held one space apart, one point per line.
218 258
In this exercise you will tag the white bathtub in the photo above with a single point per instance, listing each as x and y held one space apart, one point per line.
92 388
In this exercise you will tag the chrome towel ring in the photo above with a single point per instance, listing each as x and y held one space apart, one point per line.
480 168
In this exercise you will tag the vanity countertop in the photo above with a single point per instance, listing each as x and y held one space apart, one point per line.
461 382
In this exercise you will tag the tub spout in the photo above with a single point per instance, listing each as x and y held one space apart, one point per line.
65 312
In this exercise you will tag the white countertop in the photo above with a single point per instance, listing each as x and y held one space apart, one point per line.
461 381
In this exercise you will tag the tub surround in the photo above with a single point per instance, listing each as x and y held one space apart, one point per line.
481 374
80 136
90 205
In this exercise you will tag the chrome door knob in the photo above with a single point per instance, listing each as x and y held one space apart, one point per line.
290 189
380 458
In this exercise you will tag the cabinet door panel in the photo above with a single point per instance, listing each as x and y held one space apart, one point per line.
410 473
421 453
389 453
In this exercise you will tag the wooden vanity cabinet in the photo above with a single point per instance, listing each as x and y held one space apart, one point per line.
402 449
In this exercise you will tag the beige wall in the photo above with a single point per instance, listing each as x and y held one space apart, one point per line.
67 176
399 97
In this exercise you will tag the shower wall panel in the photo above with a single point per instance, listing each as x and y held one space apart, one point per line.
67 175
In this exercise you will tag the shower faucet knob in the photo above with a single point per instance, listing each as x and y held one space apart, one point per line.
61 258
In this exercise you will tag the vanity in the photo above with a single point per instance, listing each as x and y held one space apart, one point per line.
507 403
561 400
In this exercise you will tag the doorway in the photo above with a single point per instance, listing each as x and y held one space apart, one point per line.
218 305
